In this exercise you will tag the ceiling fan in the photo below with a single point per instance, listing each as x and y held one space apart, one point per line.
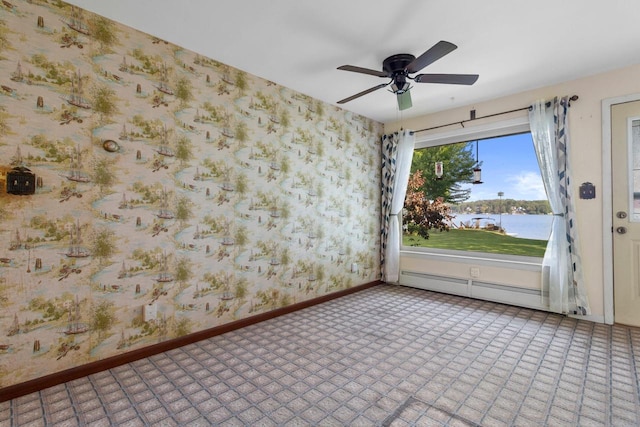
399 67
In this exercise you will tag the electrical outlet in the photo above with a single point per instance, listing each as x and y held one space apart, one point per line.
149 312
474 272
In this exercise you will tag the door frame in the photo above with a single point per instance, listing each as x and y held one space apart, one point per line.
607 204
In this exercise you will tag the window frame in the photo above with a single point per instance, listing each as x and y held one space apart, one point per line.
471 133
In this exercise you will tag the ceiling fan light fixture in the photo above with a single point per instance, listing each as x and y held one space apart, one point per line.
404 101
400 85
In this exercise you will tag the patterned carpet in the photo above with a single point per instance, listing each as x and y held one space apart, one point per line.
385 356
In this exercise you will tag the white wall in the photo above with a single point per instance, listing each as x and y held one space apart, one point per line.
586 157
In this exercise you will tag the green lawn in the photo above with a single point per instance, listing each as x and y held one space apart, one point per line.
478 241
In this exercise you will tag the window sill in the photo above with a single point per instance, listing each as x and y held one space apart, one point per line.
512 262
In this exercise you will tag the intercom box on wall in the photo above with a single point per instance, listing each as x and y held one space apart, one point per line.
587 191
21 181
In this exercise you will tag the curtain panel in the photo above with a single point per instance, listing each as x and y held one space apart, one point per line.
397 153
562 275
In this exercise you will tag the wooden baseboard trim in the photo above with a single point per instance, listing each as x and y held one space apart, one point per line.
21 389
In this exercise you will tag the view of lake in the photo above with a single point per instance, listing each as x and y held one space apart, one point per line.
523 226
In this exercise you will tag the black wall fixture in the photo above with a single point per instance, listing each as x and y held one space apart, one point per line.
21 181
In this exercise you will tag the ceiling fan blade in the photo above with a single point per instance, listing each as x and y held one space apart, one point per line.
364 92
363 70
452 79
436 52
404 101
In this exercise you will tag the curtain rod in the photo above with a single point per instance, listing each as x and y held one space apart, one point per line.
473 115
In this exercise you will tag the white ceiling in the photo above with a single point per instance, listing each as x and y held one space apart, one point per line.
514 45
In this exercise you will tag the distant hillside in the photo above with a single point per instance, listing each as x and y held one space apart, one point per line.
494 206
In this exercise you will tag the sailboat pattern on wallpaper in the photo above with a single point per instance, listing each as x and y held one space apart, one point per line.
174 193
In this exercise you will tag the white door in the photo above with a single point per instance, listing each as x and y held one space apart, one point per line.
625 169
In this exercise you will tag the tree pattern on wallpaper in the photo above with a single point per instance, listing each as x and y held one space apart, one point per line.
174 193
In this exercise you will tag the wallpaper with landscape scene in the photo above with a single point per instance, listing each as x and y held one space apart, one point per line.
170 193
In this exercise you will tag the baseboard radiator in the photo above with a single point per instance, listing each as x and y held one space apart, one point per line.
512 295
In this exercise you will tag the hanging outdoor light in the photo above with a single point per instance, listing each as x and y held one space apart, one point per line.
477 175
477 172
439 170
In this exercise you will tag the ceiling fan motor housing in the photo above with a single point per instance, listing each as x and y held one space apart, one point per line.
396 66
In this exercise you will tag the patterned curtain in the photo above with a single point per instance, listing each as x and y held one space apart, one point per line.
397 153
561 267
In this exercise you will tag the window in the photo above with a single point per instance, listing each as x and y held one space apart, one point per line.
507 214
